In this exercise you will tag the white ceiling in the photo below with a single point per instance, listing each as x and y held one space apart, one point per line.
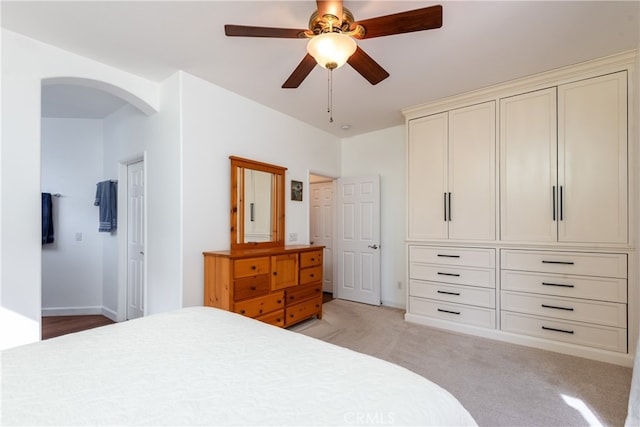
480 43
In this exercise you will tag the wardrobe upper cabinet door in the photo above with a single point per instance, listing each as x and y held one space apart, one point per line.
592 160
472 172
528 147
427 178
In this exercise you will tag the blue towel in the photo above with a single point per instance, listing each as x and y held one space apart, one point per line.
107 198
47 218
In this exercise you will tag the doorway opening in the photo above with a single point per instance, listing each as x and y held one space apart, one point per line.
322 226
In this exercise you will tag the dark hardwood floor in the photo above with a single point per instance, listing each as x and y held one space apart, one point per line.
54 326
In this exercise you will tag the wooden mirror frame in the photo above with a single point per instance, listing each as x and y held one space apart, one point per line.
238 209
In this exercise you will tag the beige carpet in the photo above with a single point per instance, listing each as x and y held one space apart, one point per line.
500 384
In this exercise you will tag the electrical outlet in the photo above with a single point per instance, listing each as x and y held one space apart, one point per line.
399 284
293 237
78 237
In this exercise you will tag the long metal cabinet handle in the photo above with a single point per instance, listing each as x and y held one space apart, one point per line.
556 307
444 203
553 211
449 206
546 328
557 284
560 203
558 262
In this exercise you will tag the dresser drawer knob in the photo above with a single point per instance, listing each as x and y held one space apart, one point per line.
292 315
449 274
275 273
448 256
313 259
260 311
317 305
242 312
279 301
253 288
311 275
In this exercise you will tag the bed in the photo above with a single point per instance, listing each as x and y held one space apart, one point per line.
204 366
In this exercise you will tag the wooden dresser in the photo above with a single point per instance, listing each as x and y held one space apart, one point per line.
281 286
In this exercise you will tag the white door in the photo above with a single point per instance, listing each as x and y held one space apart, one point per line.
528 171
321 223
359 239
592 160
135 240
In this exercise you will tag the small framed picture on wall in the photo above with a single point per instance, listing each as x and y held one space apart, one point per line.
296 190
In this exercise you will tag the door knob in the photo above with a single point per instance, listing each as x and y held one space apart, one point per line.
374 246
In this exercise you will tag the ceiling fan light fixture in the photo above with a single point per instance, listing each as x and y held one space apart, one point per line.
331 50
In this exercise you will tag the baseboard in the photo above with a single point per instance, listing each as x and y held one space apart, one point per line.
72 311
393 304
110 314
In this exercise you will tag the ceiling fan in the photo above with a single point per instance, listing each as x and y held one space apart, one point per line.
332 23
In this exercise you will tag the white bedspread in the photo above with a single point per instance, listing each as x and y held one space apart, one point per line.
202 366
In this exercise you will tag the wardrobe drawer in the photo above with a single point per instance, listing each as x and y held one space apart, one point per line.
309 259
248 287
301 311
483 297
585 264
476 316
302 293
597 288
596 312
469 257
275 318
310 275
261 305
250 267
604 337
450 274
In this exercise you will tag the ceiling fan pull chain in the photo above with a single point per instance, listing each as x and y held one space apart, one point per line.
330 94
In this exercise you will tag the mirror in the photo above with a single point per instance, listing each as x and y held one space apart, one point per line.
257 204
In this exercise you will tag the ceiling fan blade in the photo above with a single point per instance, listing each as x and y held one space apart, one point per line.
249 31
426 18
300 73
330 7
367 67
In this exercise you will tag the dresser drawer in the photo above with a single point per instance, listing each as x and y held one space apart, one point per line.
261 305
476 316
450 274
250 267
596 312
297 312
470 257
578 263
275 318
309 259
604 337
302 293
596 288
310 275
483 297
249 287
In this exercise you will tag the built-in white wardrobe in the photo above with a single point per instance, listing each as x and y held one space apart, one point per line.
521 211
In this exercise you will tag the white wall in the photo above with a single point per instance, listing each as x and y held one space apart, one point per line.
217 124
25 63
130 134
71 166
383 153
